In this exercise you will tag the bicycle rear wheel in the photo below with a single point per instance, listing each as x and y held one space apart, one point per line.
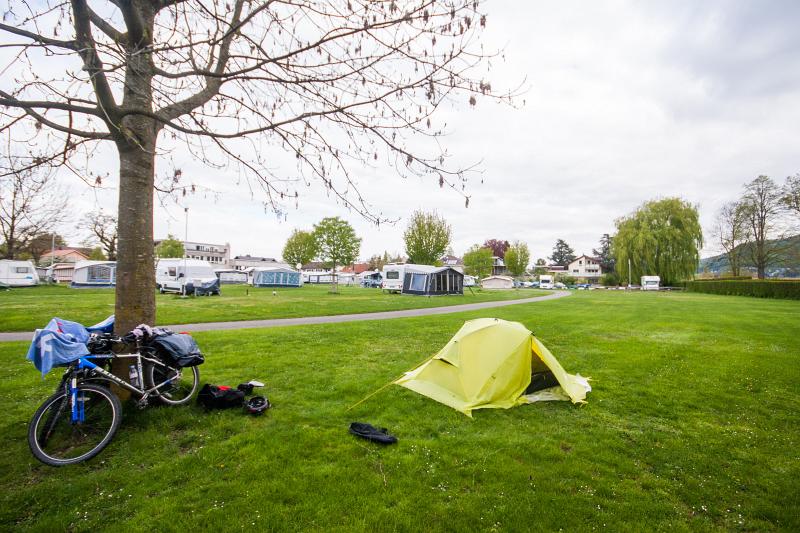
183 383
56 440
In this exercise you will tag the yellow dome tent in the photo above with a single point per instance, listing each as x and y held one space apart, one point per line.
488 364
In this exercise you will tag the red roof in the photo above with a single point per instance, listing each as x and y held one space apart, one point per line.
358 268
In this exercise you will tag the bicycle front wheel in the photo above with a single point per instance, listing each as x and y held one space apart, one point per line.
176 386
56 440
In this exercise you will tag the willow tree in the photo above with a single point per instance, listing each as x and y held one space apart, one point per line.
323 87
662 238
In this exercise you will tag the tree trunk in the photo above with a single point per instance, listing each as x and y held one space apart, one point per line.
136 281
136 277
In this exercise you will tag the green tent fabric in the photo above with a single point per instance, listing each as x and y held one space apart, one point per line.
488 364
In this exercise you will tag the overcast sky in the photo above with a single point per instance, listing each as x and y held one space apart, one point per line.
626 102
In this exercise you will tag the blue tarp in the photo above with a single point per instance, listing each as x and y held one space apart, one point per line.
62 342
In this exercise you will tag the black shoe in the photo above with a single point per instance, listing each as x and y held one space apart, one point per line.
369 432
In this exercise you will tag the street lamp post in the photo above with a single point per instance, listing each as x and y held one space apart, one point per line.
185 238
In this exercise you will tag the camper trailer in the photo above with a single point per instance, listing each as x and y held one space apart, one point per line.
17 274
546 281
229 276
94 274
497 282
469 281
393 275
197 276
650 283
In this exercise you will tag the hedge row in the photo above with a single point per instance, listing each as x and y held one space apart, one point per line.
728 278
755 287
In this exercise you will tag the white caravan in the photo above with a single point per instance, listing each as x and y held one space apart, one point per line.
172 274
650 283
393 275
546 281
17 274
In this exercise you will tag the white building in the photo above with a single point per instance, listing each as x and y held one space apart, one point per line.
216 254
585 267
242 262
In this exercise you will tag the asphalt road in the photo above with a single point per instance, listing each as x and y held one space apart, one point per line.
332 319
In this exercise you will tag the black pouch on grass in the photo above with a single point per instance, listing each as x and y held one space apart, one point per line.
219 397
178 349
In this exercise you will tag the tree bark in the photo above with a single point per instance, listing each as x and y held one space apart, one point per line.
136 142
136 282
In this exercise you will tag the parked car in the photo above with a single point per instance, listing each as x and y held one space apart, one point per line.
559 285
372 283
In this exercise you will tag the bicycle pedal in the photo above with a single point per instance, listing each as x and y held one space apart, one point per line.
142 404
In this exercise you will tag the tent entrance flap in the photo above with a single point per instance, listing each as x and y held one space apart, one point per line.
488 364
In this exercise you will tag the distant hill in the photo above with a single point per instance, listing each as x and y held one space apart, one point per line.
788 266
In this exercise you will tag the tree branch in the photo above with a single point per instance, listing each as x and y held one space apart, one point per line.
69 45
91 61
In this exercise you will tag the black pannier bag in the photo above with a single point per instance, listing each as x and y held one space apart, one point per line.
177 349
220 397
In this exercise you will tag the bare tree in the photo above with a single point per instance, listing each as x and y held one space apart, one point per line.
763 209
331 85
103 230
791 198
30 204
732 231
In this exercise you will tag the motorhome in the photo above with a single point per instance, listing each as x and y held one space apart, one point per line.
393 275
17 274
650 283
546 281
197 276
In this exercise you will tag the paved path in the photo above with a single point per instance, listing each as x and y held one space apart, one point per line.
303 321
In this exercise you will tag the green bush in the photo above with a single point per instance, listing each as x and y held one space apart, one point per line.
727 278
752 287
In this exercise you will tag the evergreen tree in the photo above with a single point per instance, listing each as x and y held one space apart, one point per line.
606 253
563 254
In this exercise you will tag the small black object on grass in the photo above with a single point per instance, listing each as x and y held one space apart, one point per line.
370 432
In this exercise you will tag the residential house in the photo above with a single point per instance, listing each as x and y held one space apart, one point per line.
65 254
585 268
498 266
356 268
453 262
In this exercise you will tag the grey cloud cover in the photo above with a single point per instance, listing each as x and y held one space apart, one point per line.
627 101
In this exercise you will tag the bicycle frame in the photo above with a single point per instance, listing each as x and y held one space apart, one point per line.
85 363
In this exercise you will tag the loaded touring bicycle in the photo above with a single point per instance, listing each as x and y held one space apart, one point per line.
83 414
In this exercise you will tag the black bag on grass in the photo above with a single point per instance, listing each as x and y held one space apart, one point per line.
220 397
177 349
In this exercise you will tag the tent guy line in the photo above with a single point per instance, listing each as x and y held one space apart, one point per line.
331 319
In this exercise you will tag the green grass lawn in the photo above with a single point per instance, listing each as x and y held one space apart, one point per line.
30 308
693 425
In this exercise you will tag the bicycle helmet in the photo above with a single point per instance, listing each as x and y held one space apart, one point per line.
257 405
